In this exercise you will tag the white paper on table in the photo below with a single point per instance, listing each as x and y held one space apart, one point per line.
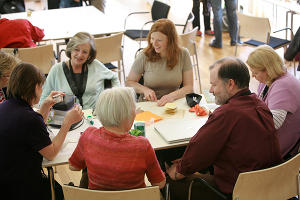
67 148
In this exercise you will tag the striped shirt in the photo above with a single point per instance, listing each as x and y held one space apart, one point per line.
279 115
2 96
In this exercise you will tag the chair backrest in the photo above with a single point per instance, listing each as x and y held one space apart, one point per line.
75 193
279 182
9 50
40 56
188 23
159 10
109 49
187 40
256 28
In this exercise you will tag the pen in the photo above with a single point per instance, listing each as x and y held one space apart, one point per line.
90 120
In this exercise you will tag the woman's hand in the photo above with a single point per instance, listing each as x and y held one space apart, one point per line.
74 115
149 94
165 99
47 104
49 101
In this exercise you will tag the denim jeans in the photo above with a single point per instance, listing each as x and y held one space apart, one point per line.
69 3
230 6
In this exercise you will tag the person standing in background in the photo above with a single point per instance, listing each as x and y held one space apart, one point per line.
293 51
230 6
206 16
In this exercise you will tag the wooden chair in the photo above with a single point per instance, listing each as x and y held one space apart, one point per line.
188 23
75 193
258 29
187 40
109 49
279 182
40 56
159 10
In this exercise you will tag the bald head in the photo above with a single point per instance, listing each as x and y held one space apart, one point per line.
232 68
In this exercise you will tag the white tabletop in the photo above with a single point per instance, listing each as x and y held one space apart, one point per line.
66 22
182 114
155 139
290 5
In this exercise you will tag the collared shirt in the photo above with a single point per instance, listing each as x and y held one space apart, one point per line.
19 33
239 136
23 134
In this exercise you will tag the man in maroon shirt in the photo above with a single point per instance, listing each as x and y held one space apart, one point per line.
19 33
239 136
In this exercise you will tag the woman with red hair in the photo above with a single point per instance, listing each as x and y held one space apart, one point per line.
164 65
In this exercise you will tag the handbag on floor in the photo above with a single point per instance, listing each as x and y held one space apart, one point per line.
46 187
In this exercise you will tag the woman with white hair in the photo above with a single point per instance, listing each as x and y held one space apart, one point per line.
82 75
115 159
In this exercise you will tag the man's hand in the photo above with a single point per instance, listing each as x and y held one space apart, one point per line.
174 175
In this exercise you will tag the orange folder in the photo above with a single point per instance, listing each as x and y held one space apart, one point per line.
147 116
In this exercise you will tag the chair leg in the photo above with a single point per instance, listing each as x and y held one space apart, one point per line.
298 183
119 71
123 70
295 70
235 52
52 182
198 72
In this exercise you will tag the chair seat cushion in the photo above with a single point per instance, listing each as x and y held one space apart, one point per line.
274 42
135 34
277 42
110 66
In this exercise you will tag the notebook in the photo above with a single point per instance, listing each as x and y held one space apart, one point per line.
147 116
177 130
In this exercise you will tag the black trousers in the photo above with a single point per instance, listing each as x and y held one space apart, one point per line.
206 14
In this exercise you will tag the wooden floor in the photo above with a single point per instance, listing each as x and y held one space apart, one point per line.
206 57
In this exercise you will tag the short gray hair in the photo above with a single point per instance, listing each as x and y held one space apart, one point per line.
233 68
115 105
82 38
